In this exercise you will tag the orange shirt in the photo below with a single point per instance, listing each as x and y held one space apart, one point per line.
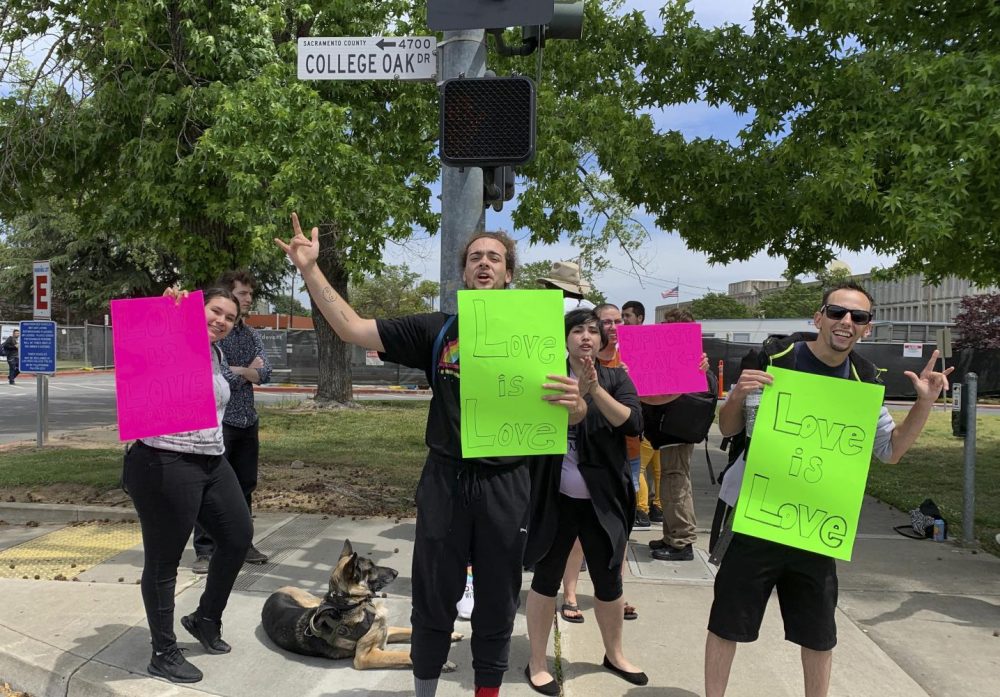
631 442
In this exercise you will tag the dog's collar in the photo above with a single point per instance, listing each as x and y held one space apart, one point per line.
343 603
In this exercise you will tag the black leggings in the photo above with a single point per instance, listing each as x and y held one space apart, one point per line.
242 453
577 518
468 513
170 491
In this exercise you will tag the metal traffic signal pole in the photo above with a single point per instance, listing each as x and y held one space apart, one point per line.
461 54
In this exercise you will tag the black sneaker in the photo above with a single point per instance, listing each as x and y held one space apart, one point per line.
641 521
655 514
658 544
207 632
172 665
685 553
200 565
255 556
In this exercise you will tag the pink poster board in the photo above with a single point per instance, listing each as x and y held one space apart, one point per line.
163 368
663 358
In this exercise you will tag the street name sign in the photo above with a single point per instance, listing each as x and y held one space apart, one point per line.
367 58
38 347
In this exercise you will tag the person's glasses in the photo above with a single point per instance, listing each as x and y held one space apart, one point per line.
609 322
859 317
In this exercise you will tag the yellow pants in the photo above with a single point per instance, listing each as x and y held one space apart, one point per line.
648 456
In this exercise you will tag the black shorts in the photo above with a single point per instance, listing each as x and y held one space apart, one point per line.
807 592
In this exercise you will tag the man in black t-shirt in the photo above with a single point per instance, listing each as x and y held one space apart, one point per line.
467 509
806 582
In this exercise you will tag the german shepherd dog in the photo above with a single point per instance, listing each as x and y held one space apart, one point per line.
345 622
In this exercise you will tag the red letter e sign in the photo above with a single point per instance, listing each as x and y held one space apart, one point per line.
43 290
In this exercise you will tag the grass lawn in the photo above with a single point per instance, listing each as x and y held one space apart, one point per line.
934 468
368 461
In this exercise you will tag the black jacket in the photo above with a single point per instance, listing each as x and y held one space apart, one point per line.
603 463
10 347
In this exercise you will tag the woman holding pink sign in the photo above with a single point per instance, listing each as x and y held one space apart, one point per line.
175 480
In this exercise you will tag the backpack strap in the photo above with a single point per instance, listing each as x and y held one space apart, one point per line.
436 350
708 461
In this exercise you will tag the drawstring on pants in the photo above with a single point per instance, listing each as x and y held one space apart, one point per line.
469 481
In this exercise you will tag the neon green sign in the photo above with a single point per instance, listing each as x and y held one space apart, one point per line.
508 343
808 462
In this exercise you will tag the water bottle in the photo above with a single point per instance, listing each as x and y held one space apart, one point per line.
750 405
467 602
939 531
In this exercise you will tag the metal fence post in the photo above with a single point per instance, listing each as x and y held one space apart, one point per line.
969 489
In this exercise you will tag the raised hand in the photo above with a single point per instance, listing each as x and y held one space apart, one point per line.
930 383
302 251
176 293
588 378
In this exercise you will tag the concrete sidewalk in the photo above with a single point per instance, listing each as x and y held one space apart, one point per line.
915 617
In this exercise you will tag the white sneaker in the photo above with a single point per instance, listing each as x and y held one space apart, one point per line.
468 600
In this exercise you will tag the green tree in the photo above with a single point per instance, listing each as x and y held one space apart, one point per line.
282 305
89 268
393 292
870 125
718 306
797 299
185 124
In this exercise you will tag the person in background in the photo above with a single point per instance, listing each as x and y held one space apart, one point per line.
10 349
175 480
649 506
248 366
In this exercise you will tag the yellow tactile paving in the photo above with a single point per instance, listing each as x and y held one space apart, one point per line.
67 552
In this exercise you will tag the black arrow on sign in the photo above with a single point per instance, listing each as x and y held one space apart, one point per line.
382 43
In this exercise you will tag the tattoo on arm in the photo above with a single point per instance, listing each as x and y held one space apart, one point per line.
330 295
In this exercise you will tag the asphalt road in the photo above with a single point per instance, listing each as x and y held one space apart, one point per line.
85 401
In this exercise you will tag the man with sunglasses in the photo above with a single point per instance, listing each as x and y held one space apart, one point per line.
752 567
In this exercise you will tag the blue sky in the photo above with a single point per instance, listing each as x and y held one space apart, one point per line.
668 262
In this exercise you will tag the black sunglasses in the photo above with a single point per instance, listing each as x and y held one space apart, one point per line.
859 317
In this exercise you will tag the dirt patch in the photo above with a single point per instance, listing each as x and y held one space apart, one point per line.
309 489
65 493
296 486
7 691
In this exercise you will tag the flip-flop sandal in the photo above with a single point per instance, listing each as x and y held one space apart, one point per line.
630 612
570 607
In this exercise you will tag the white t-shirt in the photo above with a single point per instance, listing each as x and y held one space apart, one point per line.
570 304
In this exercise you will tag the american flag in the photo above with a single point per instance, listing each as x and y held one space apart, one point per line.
672 293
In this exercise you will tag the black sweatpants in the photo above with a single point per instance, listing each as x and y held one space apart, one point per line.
242 453
468 513
170 491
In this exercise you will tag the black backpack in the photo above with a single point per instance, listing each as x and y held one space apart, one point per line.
687 419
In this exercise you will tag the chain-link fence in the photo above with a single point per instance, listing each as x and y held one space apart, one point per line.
294 355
